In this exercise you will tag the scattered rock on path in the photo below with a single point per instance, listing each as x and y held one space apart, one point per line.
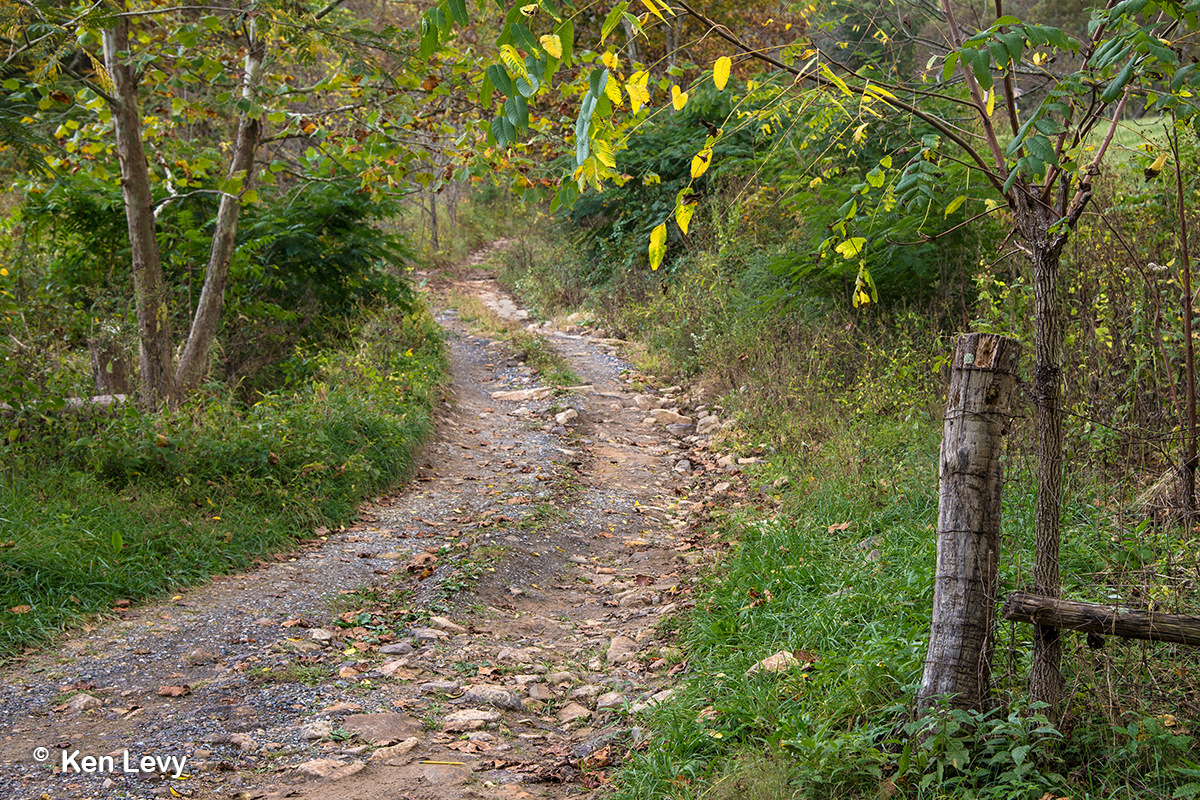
494 696
388 726
330 768
621 650
471 719
572 712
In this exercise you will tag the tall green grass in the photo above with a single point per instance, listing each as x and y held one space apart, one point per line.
100 508
843 578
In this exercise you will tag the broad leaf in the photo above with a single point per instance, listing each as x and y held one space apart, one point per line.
721 72
851 247
658 245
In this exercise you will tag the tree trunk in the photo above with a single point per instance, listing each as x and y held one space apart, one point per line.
1045 674
978 412
109 372
193 364
156 378
631 51
434 244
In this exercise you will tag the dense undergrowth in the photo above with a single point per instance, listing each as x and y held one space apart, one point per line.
836 564
99 507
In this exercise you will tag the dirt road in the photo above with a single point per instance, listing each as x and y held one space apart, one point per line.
488 632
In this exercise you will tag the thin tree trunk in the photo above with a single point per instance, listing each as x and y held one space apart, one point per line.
631 51
434 244
1189 452
156 378
978 412
1045 673
193 364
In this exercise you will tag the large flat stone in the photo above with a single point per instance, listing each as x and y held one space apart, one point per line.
389 726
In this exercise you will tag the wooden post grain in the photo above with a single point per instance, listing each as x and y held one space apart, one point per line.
978 414
1093 618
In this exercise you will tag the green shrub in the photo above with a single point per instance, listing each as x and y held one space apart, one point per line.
96 508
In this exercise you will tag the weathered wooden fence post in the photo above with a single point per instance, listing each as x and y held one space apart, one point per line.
978 414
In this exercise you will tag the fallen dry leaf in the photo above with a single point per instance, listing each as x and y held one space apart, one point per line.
174 691
841 526
20 609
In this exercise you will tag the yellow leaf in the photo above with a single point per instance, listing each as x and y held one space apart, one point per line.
653 9
610 60
552 44
701 161
683 216
851 247
721 72
639 95
955 204
612 88
603 150
658 245
513 60
678 99
815 182
991 102
860 133
835 80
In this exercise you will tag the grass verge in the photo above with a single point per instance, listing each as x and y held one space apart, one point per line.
100 509
842 579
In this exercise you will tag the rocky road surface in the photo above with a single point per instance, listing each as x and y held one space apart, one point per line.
491 631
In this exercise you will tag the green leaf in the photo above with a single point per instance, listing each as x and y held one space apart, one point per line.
1040 148
596 82
12 85
526 87
441 20
458 10
504 132
485 90
1177 80
117 541
517 112
610 22
875 177
566 196
249 197
1114 89
211 22
1019 754
566 33
500 80
429 37
948 66
981 65
1129 7
905 759
1012 179
524 39
1014 44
